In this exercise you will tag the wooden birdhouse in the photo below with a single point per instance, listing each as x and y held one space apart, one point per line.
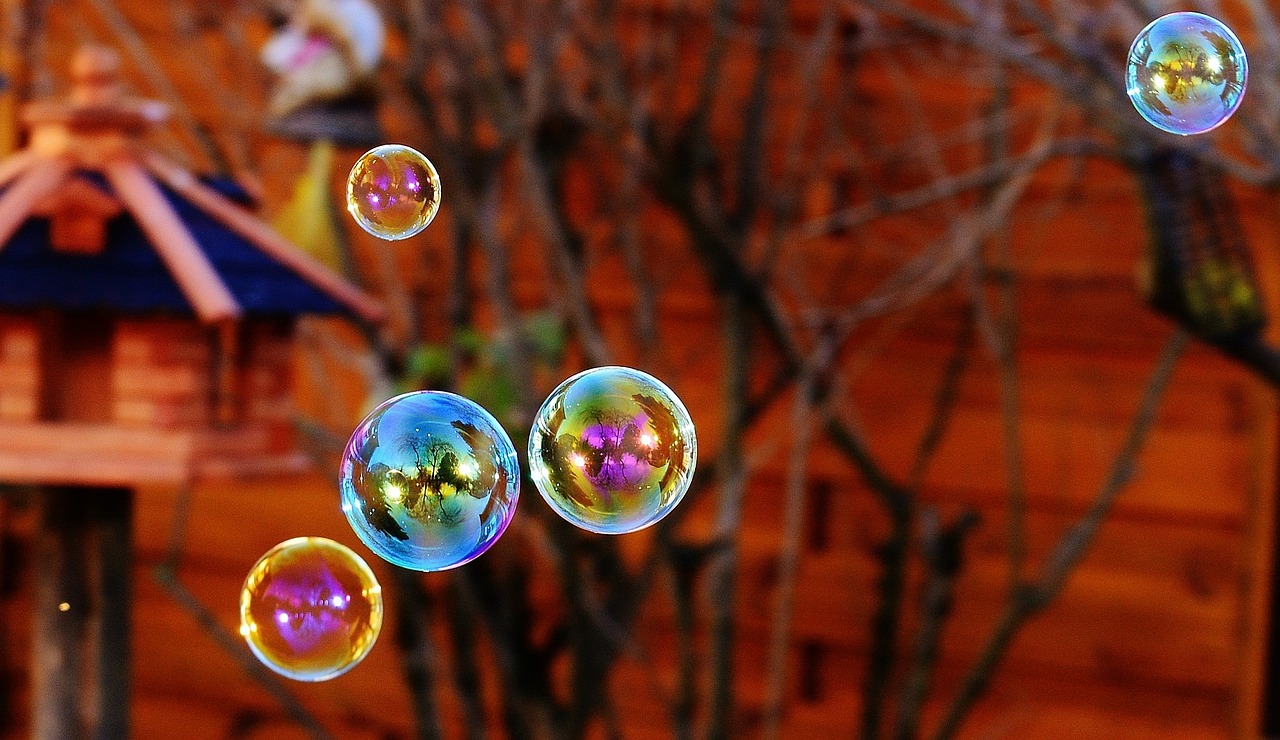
146 315
146 328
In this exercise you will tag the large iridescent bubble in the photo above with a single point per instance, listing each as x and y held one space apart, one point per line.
310 609
393 192
612 450
429 480
1187 73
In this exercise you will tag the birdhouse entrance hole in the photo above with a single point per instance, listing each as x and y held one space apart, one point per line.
78 214
76 367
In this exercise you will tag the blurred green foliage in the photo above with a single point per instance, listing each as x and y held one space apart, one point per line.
482 366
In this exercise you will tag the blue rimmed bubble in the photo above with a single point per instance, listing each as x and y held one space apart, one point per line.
429 480
1187 73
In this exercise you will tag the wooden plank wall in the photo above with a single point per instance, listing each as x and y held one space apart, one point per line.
19 369
161 373
1149 640
1156 636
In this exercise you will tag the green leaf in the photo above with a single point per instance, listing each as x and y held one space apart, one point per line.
429 364
495 391
470 340
546 332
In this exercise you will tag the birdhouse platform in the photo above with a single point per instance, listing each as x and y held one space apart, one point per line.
90 399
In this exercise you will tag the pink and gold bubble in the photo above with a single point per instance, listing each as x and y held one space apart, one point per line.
612 450
310 609
393 192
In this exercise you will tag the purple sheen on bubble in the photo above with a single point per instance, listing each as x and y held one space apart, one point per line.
310 609
393 192
612 450
306 609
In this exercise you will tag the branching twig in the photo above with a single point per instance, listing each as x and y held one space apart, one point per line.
1073 545
417 653
789 550
723 573
942 554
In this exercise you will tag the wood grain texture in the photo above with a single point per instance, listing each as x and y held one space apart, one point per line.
1155 638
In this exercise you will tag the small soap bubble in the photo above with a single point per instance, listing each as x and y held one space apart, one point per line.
429 480
393 191
310 609
612 450
1187 73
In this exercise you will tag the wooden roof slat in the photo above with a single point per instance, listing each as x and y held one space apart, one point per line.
186 261
244 223
16 164
31 187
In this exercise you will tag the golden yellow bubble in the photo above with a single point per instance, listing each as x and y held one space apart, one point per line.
310 609
393 192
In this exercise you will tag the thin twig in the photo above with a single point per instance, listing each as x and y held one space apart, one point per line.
723 573
167 578
150 68
1004 340
802 423
1073 545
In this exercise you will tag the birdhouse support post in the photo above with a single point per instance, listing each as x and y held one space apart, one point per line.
82 599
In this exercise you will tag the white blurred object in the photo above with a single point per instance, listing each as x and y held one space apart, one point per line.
328 50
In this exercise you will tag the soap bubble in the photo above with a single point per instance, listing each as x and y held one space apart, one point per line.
310 609
612 450
429 480
393 191
1187 73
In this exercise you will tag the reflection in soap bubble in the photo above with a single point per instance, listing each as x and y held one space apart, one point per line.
1187 73
429 480
310 609
612 450
393 192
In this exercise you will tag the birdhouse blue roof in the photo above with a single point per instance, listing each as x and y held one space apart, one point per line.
128 275
91 218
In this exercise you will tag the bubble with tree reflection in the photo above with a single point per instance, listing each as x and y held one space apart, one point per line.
612 450
1187 73
429 480
310 609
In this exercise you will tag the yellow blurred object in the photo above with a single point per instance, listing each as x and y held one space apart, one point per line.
307 219
10 71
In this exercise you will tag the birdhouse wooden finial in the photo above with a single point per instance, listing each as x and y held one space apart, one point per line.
98 119
95 76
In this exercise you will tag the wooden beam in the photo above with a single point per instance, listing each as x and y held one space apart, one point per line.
186 261
82 600
114 455
94 454
244 223
30 187
61 616
18 163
